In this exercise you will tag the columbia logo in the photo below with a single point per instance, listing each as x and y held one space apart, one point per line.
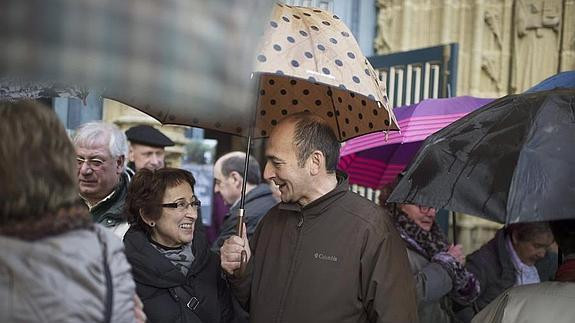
321 256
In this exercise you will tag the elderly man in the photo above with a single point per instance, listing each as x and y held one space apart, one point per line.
147 146
100 154
229 178
324 254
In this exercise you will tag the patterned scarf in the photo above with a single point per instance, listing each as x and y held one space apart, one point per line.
181 257
433 246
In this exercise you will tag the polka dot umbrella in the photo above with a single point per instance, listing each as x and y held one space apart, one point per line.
309 61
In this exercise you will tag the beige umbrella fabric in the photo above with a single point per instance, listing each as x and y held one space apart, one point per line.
309 60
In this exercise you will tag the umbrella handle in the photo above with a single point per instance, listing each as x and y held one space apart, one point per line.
244 254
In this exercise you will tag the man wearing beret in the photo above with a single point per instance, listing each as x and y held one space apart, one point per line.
146 147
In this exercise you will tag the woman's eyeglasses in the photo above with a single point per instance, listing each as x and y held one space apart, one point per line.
182 206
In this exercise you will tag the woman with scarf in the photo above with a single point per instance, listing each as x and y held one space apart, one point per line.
437 266
177 277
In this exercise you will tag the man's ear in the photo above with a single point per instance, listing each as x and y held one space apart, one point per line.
316 162
120 164
237 179
131 154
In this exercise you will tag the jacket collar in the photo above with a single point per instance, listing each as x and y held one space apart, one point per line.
257 192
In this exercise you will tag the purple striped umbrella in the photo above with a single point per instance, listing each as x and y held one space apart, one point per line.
373 161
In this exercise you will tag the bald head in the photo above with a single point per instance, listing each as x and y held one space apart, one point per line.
229 177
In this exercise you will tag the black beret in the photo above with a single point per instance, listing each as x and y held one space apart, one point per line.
149 136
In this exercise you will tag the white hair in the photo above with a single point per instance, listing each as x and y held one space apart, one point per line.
94 133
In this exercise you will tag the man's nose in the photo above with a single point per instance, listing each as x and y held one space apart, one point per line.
85 169
268 172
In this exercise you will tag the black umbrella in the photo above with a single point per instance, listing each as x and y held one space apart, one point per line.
510 161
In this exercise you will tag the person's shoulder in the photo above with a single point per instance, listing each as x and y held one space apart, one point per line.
368 212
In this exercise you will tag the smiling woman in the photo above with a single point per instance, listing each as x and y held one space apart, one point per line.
177 277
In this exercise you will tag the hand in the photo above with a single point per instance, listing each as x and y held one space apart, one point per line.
231 252
139 310
457 252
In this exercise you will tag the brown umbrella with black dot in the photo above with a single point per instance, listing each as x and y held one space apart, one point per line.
309 61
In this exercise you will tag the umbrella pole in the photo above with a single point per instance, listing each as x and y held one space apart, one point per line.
241 211
454 227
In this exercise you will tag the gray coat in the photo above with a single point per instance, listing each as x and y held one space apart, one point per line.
432 283
61 278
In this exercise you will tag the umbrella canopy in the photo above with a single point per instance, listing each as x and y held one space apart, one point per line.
181 61
510 161
374 160
561 80
309 60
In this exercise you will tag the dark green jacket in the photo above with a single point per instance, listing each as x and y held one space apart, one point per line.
109 212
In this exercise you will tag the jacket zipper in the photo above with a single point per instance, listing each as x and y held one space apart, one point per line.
292 268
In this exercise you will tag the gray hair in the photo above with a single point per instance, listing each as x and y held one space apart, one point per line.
235 162
94 133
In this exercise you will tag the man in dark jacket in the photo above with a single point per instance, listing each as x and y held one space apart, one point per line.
517 255
324 254
100 153
229 178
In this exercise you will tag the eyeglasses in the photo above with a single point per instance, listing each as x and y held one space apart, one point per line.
93 163
182 206
424 209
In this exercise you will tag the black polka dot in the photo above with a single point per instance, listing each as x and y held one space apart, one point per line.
263 112
306 14
321 47
349 107
296 16
338 62
264 133
346 120
285 19
316 10
333 40
303 33
290 39
261 58
367 72
294 102
283 92
386 122
329 93
284 112
238 129
277 47
345 34
311 79
262 92
294 63
355 79
342 86
337 113
326 23
350 55
305 92
339 99
318 102
293 82
352 94
325 71
272 82
279 72
375 112
360 116
306 110
308 55
343 134
356 129
273 102
370 125
371 97
330 114
273 24
363 102
314 28
274 122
